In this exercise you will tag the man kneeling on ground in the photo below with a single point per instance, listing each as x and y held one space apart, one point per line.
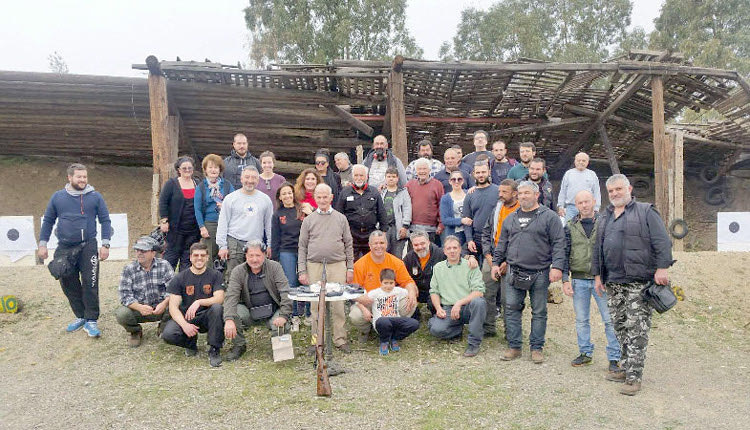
195 306
143 290
457 293
258 293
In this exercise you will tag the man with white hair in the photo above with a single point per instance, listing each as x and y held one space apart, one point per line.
325 236
363 208
575 180
532 242
344 167
632 249
424 150
425 193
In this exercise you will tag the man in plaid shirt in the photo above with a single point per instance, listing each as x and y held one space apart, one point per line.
143 290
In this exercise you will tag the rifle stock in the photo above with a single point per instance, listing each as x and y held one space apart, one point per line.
324 385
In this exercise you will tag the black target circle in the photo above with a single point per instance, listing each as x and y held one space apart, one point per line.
13 234
734 226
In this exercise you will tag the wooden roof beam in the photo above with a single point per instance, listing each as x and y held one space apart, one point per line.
452 119
351 120
549 125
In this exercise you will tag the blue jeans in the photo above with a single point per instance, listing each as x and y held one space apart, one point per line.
570 212
472 314
514 304
583 289
288 261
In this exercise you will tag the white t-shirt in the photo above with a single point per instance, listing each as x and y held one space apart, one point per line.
377 173
386 304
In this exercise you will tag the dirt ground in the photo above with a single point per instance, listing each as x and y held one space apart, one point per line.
696 373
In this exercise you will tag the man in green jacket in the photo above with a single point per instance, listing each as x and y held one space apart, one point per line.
258 293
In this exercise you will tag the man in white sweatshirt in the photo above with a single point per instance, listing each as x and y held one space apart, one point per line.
575 180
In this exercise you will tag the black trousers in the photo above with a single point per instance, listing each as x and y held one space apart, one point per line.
395 328
178 249
209 320
361 246
82 287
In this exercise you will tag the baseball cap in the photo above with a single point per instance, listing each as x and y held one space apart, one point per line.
146 243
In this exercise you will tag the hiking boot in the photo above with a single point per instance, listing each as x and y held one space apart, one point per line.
236 352
395 347
537 357
616 376
189 352
214 357
581 360
134 341
91 328
383 348
76 325
614 366
511 354
631 388
345 348
471 351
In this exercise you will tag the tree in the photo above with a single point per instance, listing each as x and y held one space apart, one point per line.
712 33
559 30
57 64
317 31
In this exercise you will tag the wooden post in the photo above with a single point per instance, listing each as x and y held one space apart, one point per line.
396 110
360 154
677 184
662 157
609 150
164 133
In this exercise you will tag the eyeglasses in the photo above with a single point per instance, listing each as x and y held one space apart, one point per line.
320 163
186 169
457 179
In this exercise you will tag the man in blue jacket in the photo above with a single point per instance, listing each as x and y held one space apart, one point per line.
76 208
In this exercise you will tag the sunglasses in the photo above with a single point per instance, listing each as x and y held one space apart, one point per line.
320 163
457 179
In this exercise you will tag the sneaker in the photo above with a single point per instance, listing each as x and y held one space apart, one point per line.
537 356
134 341
616 376
511 354
614 366
236 352
395 347
345 348
471 351
581 360
76 325
91 328
631 388
383 348
214 357
189 352
295 324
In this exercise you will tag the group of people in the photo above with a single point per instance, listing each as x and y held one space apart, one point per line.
464 240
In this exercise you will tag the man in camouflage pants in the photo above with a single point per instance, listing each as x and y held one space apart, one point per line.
632 248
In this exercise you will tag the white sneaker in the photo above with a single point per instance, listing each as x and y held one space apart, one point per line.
295 324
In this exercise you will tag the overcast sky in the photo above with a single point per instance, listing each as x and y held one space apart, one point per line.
105 37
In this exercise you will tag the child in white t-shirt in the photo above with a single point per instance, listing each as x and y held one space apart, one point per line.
390 325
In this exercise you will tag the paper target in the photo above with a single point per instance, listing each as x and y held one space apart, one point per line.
17 238
119 237
733 231
8 304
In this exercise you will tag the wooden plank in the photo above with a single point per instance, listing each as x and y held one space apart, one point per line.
611 158
351 120
662 158
163 136
453 119
549 125
397 112
678 199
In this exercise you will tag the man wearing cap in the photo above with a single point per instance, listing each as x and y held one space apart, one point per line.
143 290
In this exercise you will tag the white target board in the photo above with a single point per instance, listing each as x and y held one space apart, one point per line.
17 238
733 231
119 242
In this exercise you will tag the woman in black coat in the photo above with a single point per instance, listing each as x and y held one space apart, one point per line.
177 213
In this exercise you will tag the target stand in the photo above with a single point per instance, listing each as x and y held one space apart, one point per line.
733 231
17 241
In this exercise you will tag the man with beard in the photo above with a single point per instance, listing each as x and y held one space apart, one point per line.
363 208
496 282
532 242
480 147
424 150
478 206
419 262
235 163
527 152
379 160
76 209
425 193
501 164
195 305
632 249
538 176
344 167
452 160
245 215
